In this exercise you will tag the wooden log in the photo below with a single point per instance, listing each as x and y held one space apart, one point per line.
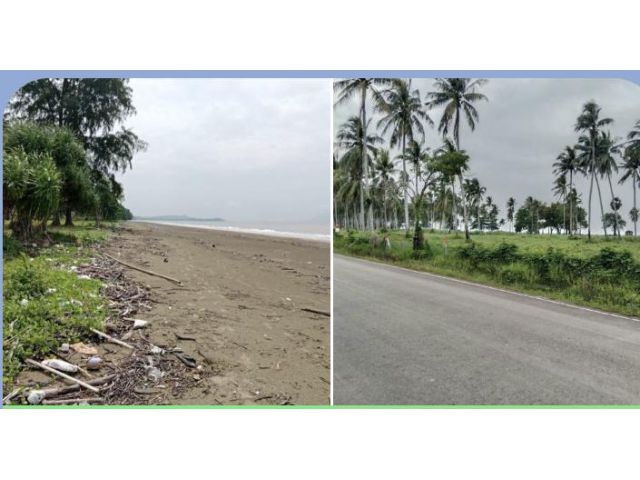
54 392
63 375
313 310
111 339
69 401
143 270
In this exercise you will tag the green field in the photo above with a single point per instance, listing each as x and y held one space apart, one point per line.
45 302
603 273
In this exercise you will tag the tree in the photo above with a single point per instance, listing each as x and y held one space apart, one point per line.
350 140
631 168
568 164
383 179
93 109
511 206
560 190
457 96
403 117
590 123
346 90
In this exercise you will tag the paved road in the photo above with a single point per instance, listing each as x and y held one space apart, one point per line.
404 337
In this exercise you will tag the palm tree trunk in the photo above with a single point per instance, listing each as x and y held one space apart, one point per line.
635 221
404 185
615 213
365 169
570 203
68 222
604 226
589 207
453 203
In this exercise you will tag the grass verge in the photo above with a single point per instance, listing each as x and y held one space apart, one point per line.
605 278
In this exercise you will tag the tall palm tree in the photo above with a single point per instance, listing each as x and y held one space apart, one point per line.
347 89
568 164
590 123
403 116
607 165
511 208
457 96
631 168
350 139
384 170
634 136
560 190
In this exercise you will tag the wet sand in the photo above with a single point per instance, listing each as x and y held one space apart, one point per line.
240 303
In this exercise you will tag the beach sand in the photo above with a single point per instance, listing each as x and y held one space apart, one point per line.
240 300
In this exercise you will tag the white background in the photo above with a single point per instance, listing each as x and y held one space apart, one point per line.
356 34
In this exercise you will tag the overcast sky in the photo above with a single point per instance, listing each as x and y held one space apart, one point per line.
242 149
524 126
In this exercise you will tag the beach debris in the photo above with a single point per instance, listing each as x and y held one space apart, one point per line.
148 272
154 374
186 359
84 349
213 245
313 310
24 302
111 339
180 336
84 277
35 397
165 260
94 363
155 350
139 324
60 365
64 348
11 396
51 291
74 401
61 374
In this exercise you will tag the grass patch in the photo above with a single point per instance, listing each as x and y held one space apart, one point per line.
45 303
603 274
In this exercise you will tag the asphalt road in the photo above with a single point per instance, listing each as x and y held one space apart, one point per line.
404 337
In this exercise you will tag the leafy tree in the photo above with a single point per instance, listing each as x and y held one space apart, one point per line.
403 116
347 89
590 123
631 168
457 96
93 109
511 206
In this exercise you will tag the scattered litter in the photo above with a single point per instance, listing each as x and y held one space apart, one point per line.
24 302
51 290
84 277
154 373
64 348
139 324
186 359
155 350
84 349
60 365
35 397
94 363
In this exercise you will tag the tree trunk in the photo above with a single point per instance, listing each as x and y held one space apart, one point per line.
453 204
365 169
615 212
56 219
570 203
68 217
589 207
635 221
604 226
404 186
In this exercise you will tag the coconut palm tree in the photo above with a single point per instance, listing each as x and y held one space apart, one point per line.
560 190
634 136
457 96
631 168
384 170
568 163
403 116
590 123
607 165
350 139
511 208
346 90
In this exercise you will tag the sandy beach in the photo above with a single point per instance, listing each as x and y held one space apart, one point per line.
240 304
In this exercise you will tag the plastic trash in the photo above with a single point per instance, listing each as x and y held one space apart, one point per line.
139 324
60 365
94 363
35 397
64 348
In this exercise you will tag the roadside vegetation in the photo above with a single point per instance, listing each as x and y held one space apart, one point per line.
599 273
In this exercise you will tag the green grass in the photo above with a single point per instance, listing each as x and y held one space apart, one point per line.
45 303
603 274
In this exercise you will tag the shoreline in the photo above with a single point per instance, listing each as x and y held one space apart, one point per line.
270 233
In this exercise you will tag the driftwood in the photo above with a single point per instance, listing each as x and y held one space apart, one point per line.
70 401
111 339
54 392
319 312
148 272
63 375
12 395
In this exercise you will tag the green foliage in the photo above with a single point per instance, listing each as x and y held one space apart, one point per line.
587 273
45 304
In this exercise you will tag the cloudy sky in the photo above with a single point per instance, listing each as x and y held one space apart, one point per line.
525 125
242 149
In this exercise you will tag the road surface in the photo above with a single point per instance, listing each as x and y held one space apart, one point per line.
404 337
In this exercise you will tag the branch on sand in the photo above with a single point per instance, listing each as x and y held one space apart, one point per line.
148 272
